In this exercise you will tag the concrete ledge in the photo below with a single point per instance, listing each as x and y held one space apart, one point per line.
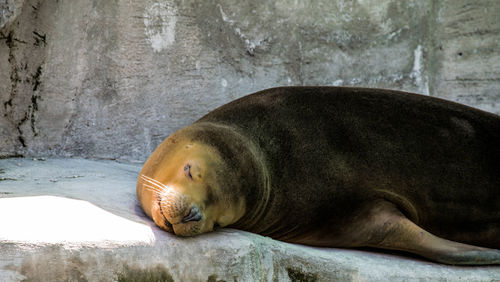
78 220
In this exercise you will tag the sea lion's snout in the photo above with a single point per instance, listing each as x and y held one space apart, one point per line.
173 207
194 215
184 217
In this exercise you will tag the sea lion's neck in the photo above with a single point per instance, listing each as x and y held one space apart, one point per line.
258 195
249 176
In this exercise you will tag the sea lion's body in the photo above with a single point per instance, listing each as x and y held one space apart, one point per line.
352 167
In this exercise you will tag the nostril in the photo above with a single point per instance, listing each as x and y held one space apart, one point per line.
194 215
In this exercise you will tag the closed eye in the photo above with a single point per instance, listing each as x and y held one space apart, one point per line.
187 171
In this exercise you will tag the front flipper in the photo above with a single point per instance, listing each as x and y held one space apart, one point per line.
384 226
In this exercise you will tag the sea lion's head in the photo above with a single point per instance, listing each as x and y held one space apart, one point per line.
189 185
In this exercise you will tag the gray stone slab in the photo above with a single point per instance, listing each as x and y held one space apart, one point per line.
78 220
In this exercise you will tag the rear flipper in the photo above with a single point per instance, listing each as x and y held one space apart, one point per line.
387 228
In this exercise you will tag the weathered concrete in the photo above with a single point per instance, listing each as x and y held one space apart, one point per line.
78 220
9 10
112 79
466 55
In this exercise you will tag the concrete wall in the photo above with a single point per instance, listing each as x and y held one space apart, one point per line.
111 79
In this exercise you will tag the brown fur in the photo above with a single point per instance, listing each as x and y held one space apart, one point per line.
351 167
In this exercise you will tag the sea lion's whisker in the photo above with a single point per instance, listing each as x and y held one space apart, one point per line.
164 188
153 188
150 180
158 187
153 182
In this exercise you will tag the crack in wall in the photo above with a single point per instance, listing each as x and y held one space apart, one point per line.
39 39
15 79
14 76
16 82
34 98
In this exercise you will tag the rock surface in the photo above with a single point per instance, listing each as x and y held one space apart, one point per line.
112 79
78 220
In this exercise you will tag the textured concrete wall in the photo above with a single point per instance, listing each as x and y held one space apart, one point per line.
111 79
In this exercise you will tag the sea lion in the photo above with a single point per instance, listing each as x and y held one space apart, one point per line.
336 167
